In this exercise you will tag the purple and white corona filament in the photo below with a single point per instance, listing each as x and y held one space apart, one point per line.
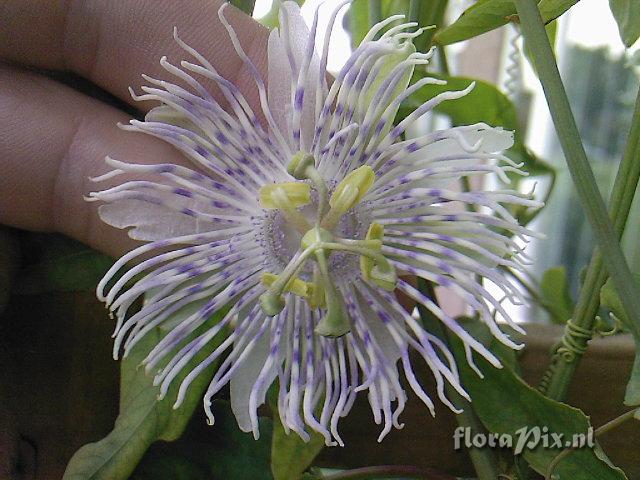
296 232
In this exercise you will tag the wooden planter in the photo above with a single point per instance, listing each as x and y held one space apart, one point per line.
59 390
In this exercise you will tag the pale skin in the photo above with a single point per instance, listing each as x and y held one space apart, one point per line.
53 138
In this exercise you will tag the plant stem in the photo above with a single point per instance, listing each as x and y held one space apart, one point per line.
484 460
561 370
536 37
389 471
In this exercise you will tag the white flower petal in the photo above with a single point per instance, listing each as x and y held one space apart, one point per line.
244 379
288 49
149 222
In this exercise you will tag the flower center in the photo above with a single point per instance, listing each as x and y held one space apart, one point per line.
328 229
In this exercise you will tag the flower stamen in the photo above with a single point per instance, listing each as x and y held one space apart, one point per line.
286 197
347 194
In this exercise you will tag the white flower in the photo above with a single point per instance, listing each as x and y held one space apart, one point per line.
300 228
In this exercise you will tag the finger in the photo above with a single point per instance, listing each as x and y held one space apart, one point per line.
51 141
112 42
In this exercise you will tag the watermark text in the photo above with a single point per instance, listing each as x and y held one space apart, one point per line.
527 438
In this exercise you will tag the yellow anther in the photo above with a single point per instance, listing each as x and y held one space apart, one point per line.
296 286
312 292
316 298
347 194
382 275
299 163
361 179
296 193
375 232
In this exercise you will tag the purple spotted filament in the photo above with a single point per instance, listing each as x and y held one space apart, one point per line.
286 233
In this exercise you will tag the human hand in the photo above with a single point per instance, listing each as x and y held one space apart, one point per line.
53 138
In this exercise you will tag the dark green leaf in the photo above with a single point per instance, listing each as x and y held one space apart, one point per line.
223 452
58 264
291 456
236 455
506 404
627 15
610 299
75 272
169 465
554 292
245 5
142 419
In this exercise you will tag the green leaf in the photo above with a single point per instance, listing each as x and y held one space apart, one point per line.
245 5
358 21
235 454
554 291
58 264
507 405
485 103
429 14
143 419
627 15
552 9
487 15
224 452
610 299
169 465
362 13
290 455
483 16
